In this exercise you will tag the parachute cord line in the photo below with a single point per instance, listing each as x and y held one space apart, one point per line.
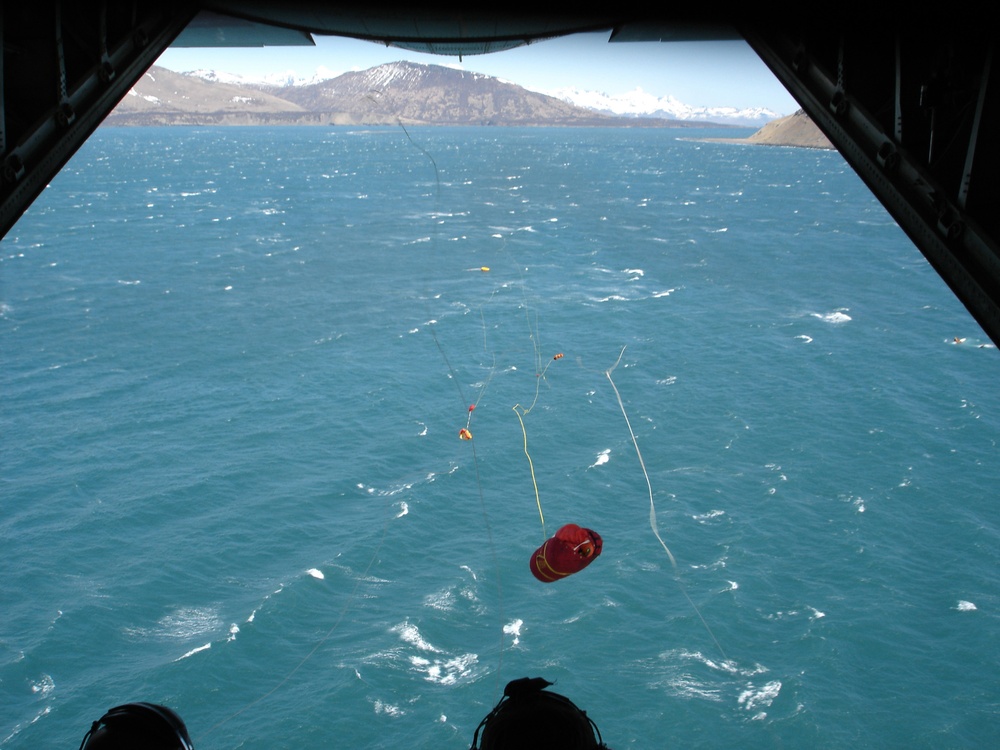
652 508
425 152
516 409
451 369
537 354
496 565
468 424
479 486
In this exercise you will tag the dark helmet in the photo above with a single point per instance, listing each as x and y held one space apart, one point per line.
138 726
530 718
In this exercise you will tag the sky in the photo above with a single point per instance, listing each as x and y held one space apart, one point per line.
699 74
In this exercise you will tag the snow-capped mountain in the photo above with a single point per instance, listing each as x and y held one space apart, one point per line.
288 78
638 103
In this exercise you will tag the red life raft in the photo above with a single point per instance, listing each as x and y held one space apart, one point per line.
571 550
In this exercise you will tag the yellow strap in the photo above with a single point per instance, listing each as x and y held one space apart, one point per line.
531 466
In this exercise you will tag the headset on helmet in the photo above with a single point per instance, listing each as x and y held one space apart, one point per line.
529 717
138 726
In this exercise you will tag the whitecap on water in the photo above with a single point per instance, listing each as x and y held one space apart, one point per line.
44 686
754 697
446 671
388 709
964 606
409 633
194 651
686 686
837 316
441 600
316 573
441 668
514 628
701 518
602 458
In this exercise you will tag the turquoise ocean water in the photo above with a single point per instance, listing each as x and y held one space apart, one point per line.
235 365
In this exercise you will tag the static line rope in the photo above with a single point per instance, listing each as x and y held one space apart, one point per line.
652 508
649 487
517 410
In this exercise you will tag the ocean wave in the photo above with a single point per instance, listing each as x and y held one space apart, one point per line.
726 666
194 651
813 614
387 709
701 518
446 671
183 622
602 458
410 633
441 600
686 686
754 698
44 686
835 317
514 628
17 729
433 663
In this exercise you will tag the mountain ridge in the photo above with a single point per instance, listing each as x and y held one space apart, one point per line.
411 93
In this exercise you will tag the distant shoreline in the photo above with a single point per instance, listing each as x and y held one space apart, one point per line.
335 120
749 141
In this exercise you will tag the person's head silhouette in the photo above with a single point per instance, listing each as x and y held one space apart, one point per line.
529 717
138 726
